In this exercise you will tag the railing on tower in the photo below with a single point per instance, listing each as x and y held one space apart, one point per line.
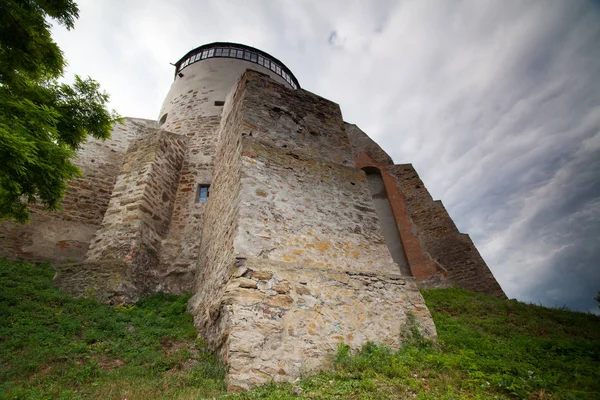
241 52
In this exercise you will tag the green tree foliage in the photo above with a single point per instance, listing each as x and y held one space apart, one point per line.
42 122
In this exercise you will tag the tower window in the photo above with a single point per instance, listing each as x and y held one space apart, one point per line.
203 193
163 119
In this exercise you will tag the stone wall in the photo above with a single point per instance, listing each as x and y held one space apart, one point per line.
65 235
368 154
139 211
297 121
364 149
138 216
217 258
387 220
293 260
182 242
439 237
287 319
308 211
121 263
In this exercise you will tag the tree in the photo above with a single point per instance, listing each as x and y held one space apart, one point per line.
42 122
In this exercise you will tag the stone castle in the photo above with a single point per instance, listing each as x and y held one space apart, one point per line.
294 230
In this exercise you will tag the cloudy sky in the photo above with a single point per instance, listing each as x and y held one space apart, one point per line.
496 104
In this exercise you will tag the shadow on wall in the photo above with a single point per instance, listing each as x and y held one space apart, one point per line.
386 218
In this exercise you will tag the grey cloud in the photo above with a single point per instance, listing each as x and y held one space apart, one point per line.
332 38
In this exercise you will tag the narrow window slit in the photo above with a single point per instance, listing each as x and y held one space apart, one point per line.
202 193
163 119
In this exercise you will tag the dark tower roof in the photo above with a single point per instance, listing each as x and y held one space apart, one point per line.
239 51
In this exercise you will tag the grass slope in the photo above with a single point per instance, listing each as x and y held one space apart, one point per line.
53 346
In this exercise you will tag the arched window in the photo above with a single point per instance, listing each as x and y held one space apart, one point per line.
163 119
386 218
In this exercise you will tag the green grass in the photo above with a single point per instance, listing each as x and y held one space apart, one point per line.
55 347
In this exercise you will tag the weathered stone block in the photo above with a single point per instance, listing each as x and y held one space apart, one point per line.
112 282
298 333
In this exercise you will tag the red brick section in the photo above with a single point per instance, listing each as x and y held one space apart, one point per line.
441 239
421 265
437 253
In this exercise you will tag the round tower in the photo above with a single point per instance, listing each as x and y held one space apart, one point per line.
204 76
193 108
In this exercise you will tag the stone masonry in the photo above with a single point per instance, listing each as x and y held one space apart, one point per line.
64 236
276 293
305 234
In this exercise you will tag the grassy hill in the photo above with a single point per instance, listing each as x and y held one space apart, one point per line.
55 347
